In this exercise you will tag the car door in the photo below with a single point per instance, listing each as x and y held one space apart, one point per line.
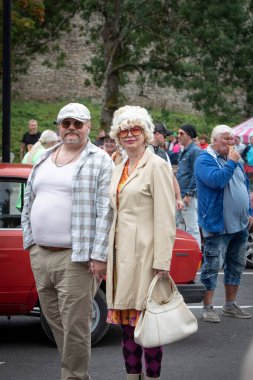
17 289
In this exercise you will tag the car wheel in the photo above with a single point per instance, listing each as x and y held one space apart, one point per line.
99 313
249 261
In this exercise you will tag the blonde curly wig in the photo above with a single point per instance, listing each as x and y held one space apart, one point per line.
127 116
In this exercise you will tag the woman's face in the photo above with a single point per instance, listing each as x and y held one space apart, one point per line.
109 146
132 138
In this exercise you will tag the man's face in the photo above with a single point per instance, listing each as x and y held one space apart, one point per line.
159 138
222 143
33 127
73 131
236 140
183 138
251 140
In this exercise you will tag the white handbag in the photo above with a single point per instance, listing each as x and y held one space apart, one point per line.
164 323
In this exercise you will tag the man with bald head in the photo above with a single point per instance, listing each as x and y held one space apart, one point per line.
29 138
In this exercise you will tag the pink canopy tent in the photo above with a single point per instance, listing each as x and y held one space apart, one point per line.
244 130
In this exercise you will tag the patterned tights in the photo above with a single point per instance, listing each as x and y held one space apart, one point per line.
132 353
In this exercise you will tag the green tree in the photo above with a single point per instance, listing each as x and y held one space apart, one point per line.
27 16
204 47
223 35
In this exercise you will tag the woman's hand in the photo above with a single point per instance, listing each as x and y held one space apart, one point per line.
179 204
162 273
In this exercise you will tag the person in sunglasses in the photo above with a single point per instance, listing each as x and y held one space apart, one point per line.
140 242
66 221
187 218
160 134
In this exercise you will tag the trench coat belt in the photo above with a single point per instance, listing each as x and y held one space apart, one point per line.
53 249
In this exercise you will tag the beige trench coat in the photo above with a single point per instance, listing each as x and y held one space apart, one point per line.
143 231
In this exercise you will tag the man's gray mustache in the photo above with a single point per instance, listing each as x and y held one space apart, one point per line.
71 133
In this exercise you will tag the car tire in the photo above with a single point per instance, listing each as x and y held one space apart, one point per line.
99 314
249 259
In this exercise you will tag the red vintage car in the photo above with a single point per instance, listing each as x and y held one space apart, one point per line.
18 293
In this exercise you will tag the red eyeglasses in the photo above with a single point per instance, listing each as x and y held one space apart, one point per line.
135 131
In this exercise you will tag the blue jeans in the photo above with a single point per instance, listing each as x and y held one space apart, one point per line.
187 219
227 250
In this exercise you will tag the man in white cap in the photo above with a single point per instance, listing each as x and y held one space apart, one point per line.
66 221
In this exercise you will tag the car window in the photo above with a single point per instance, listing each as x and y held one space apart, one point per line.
11 203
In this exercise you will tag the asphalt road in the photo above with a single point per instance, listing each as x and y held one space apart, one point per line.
216 351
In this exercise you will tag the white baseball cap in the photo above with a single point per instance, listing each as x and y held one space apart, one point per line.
74 110
48 136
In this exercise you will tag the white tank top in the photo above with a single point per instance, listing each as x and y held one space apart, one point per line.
51 209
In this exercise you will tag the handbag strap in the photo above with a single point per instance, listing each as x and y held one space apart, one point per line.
153 283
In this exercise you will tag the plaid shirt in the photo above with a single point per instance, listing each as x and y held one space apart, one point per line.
91 212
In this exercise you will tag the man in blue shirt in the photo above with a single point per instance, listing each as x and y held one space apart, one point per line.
224 216
187 217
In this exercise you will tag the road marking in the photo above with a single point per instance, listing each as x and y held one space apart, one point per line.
219 307
223 273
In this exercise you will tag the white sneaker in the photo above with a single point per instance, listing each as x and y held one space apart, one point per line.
210 315
235 311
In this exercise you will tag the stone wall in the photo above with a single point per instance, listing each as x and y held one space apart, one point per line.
47 83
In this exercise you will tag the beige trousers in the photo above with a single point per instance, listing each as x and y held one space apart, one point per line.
66 290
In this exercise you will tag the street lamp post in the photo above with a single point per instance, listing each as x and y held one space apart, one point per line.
6 93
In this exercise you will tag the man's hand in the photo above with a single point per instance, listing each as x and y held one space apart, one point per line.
187 200
250 222
98 268
233 155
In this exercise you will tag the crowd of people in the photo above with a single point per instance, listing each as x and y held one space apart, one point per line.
96 209
171 146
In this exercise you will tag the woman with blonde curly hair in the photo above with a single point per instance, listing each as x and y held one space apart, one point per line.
142 233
